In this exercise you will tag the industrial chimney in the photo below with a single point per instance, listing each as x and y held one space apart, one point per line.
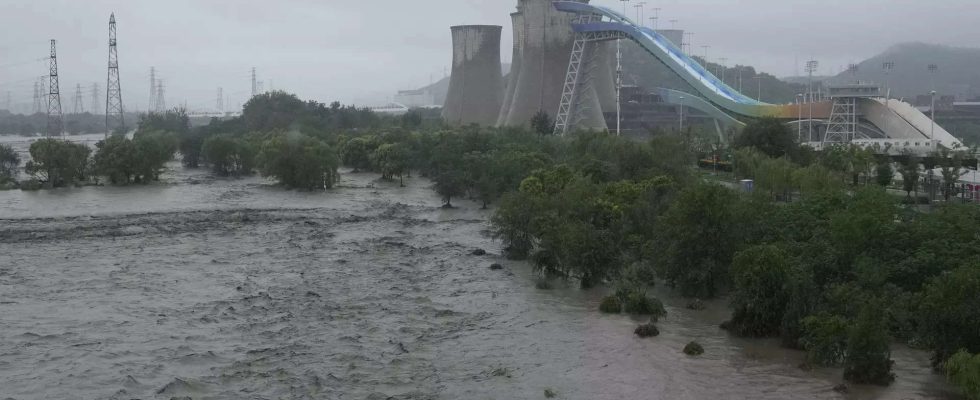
476 85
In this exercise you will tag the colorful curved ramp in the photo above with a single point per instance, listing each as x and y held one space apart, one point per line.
703 81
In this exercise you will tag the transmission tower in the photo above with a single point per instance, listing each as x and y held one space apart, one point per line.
153 90
220 104
113 102
95 98
255 88
55 123
37 99
79 107
161 98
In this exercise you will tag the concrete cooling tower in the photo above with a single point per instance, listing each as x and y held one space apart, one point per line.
476 85
542 46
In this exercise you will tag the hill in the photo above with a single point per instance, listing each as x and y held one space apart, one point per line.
957 73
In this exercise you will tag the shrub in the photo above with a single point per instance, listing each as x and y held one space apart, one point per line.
647 330
635 301
140 160
299 162
610 305
58 163
693 349
868 359
9 163
963 370
950 316
825 339
228 155
759 295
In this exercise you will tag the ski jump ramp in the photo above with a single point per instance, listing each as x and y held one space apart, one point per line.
896 119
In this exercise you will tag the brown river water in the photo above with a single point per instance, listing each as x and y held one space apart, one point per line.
208 288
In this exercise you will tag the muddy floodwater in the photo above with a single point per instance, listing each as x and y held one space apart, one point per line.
205 288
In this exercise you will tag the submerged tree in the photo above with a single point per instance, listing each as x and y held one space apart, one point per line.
868 359
542 124
299 161
57 162
9 163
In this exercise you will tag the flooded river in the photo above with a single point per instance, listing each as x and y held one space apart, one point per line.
205 288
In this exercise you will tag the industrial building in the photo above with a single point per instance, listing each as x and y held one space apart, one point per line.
476 88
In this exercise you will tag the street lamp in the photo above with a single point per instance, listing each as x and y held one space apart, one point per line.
619 79
639 12
673 24
888 66
799 120
656 16
932 132
706 47
682 115
724 68
811 67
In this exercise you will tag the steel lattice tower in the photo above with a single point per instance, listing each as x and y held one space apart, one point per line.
113 103
220 101
254 84
161 98
153 90
55 123
78 107
95 98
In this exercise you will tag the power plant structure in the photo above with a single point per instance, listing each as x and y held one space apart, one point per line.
543 40
476 85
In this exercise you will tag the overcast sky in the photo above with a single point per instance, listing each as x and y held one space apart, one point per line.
362 51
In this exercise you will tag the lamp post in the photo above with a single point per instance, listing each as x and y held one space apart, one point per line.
619 79
639 12
932 132
673 24
758 79
656 16
681 129
811 67
799 120
690 43
724 69
888 66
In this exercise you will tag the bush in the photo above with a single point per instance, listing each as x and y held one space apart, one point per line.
299 162
868 359
963 370
635 301
58 163
693 349
228 155
610 305
647 330
825 339
9 163
759 295
140 160
950 313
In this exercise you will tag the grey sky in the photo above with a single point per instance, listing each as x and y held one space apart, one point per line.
362 51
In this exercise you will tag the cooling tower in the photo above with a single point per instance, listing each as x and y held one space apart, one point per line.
515 67
476 85
542 48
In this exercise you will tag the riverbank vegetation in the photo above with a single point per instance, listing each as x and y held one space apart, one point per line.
820 254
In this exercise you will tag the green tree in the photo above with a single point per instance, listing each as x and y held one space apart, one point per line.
450 183
175 120
884 174
273 111
392 160
698 239
825 339
768 135
356 153
868 359
910 176
153 150
9 163
963 370
58 163
951 169
299 161
542 124
759 290
115 159
950 313
228 155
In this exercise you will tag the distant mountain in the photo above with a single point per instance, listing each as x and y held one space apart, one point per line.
957 73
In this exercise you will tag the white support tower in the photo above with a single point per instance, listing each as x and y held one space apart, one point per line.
579 76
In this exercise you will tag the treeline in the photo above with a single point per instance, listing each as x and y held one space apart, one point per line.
821 256
32 125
